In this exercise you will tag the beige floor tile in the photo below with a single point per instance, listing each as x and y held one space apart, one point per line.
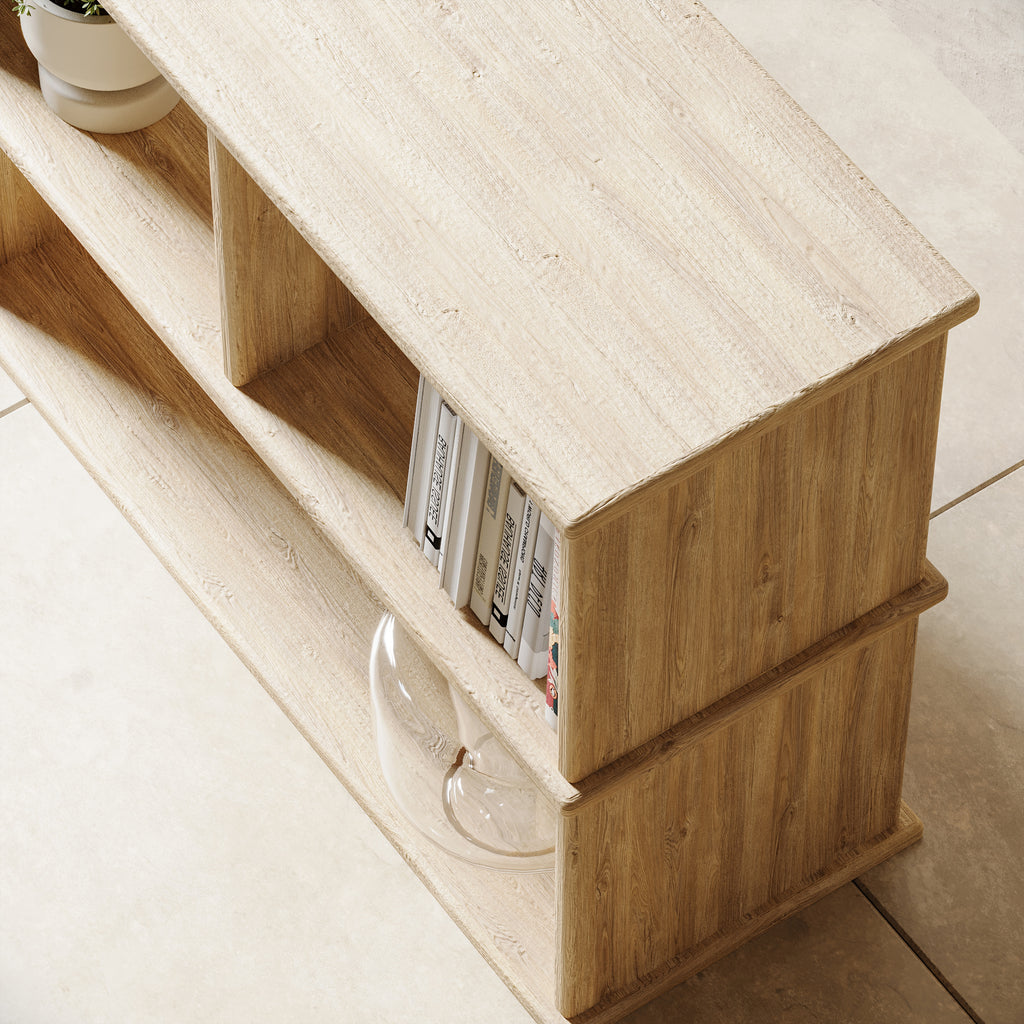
836 962
960 892
9 393
977 46
944 164
172 850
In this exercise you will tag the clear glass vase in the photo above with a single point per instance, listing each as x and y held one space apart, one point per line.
449 776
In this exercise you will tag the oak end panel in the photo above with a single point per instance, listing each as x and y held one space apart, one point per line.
767 548
742 819
278 297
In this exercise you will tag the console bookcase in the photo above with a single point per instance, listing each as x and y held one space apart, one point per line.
689 326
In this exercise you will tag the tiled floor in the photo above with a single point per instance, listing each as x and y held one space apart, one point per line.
171 850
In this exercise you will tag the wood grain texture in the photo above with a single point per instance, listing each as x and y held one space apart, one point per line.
247 555
25 220
774 545
811 661
277 296
333 424
140 202
907 832
547 204
768 803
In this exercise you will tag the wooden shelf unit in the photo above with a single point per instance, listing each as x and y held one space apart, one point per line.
743 524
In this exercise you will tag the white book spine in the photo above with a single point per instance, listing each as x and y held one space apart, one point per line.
440 476
425 433
521 577
451 485
533 648
491 522
506 561
467 509
413 451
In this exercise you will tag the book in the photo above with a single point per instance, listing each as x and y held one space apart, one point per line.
462 534
421 459
440 478
533 647
514 508
417 421
492 520
521 577
448 503
552 687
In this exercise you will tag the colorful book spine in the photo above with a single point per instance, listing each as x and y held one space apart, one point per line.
491 523
521 577
552 694
533 648
514 508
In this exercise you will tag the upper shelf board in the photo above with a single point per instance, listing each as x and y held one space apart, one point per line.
599 226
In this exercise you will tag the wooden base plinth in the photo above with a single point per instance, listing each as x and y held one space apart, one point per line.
907 832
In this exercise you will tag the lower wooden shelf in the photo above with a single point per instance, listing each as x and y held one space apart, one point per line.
247 555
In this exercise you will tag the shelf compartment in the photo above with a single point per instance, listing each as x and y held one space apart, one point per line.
294 612
139 202
141 205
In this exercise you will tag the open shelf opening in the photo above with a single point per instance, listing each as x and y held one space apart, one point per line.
240 546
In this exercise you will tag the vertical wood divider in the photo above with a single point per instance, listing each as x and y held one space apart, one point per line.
25 219
278 297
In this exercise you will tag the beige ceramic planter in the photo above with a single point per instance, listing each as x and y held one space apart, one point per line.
91 74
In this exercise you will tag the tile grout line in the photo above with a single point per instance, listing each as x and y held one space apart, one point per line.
975 490
14 408
914 948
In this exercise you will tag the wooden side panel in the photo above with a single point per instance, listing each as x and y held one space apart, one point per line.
278 297
781 540
739 821
25 220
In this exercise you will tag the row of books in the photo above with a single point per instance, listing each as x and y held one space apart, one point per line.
494 549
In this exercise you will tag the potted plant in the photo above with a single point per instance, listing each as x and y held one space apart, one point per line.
91 74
